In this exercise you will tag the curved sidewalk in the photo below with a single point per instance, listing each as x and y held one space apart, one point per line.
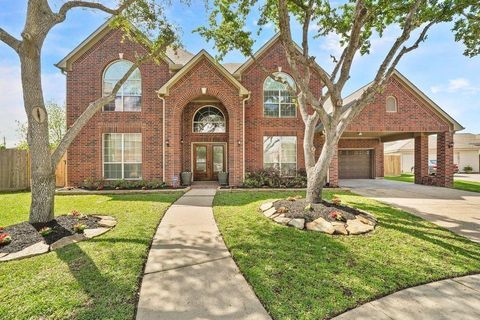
457 298
189 272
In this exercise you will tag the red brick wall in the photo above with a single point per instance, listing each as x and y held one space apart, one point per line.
84 84
412 115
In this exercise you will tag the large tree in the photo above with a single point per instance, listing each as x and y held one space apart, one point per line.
139 19
356 23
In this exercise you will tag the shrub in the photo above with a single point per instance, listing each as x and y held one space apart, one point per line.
5 238
468 169
336 201
272 178
45 231
100 184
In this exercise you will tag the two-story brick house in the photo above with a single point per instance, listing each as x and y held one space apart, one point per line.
191 113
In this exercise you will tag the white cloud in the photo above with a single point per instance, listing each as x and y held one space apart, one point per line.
331 44
458 85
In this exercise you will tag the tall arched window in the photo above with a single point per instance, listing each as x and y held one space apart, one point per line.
209 120
129 97
391 104
278 100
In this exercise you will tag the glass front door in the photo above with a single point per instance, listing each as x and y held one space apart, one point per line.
208 161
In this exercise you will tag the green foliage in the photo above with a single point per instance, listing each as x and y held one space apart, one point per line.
468 169
101 184
273 179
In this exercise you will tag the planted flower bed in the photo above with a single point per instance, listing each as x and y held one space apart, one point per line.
24 239
328 217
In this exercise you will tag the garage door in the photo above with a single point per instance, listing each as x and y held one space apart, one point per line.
355 164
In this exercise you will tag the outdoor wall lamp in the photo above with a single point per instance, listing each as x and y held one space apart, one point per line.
167 142
239 142
450 145
181 141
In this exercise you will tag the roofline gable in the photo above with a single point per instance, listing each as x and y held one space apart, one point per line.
164 90
66 63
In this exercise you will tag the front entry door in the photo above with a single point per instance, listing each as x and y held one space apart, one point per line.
208 161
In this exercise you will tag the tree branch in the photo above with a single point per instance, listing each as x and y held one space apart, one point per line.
62 13
10 40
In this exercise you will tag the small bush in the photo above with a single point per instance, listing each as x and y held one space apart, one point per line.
100 184
79 228
45 231
468 169
5 238
273 179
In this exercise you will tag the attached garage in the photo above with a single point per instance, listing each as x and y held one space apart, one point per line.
355 164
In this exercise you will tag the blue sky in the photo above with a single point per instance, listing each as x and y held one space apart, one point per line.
437 67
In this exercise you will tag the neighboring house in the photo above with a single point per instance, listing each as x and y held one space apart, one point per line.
466 151
191 113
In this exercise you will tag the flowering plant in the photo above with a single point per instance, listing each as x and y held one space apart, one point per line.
5 238
79 227
337 216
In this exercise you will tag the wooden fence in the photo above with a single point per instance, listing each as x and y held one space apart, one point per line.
15 170
392 165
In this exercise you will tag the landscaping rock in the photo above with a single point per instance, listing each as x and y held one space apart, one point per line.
282 220
358 227
266 206
67 240
106 217
33 250
321 225
340 228
107 223
297 223
269 212
91 233
3 254
365 220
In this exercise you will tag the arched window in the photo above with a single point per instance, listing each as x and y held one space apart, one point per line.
278 100
129 97
391 104
209 120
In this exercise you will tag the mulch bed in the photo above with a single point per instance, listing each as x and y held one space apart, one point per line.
25 234
296 209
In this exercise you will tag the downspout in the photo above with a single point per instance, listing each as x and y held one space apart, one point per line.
163 136
243 134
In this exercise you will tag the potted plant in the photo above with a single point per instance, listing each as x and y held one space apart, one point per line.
186 178
468 169
223 178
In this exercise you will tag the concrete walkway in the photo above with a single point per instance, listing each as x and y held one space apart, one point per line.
456 210
457 298
190 273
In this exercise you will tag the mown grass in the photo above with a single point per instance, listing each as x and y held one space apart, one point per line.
457 184
94 279
310 275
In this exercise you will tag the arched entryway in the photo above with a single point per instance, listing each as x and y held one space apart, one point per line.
204 138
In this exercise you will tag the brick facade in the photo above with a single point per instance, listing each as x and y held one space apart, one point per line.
84 84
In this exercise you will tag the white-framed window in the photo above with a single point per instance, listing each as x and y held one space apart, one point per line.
129 97
391 104
209 119
280 153
278 100
122 156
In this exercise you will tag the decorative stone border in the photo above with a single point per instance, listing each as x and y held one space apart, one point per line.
106 223
363 222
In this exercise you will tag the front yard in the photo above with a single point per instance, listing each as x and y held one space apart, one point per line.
457 183
94 279
310 275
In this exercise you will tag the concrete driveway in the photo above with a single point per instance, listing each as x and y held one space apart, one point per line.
468 177
456 210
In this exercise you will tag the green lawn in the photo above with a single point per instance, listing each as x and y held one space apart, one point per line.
310 275
95 279
457 184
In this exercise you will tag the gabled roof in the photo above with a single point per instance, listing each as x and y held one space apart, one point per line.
164 90
175 58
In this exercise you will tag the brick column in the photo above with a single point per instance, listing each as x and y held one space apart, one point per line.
444 176
421 158
333 170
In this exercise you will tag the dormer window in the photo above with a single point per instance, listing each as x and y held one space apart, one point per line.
129 97
391 104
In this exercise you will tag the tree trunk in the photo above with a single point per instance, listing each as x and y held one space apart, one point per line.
317 175
41 167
